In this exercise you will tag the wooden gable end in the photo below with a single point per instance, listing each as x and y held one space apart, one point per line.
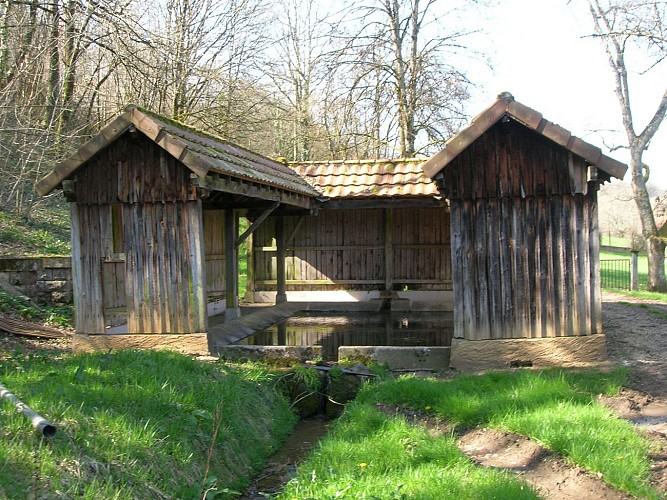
510 160
133 169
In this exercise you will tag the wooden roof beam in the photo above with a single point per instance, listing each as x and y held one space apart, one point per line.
255 225
253 190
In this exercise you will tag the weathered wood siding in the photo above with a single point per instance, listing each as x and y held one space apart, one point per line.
358 250
524 239
89 227
137 241
421 248
214 247
164 262
133 170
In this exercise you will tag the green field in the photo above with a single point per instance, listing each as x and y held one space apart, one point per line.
642 265
615 241
608 275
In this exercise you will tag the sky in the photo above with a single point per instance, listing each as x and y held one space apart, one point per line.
539 54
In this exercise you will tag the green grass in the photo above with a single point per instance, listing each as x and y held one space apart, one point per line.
370 455
137 424
556 408
615 241
46 232
56 315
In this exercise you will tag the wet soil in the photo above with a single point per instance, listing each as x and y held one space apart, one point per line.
636 333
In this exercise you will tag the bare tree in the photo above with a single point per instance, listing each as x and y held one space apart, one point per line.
622 25
297 67
50 55
394 52
196 50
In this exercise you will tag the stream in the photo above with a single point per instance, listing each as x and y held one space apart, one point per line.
282 465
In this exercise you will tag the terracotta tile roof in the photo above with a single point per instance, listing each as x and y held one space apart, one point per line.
368 178
505 105
200 152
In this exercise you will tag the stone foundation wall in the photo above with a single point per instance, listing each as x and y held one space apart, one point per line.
191 344
45 280
479 355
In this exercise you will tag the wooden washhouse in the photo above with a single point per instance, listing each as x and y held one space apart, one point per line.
153 230
500 227
522 195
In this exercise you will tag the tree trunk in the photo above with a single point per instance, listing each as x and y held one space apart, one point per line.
70 57
608 23
655 247
54 67
655 251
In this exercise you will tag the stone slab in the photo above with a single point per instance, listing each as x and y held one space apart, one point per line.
399 357
283 355
478 355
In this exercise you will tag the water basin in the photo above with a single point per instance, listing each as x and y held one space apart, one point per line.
331 330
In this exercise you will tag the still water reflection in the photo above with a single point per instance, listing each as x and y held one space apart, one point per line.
332 330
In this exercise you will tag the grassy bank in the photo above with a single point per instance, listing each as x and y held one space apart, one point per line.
137 425
372 455
20 308
46 232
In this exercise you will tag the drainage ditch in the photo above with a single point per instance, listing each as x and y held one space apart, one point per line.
318 395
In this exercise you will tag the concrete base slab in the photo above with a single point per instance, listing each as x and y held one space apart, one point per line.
478 355
367 306
319 296
193 344
432 297
418 306
399 358
280 355
426 300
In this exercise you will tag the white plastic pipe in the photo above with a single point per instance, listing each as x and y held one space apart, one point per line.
46 428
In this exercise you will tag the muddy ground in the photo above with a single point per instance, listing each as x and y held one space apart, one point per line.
636 332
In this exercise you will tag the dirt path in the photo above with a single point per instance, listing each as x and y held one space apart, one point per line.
636 333
552 477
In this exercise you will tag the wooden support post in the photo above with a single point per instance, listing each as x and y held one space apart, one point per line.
250 271
232 310
253 227
389 250
634 270
281 295
282 332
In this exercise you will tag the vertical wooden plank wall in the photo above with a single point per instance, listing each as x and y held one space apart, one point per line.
165 273
421 248
86 269
161 268
214 246
525 243
347 249
524 269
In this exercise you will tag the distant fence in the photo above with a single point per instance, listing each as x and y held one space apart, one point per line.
615 273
